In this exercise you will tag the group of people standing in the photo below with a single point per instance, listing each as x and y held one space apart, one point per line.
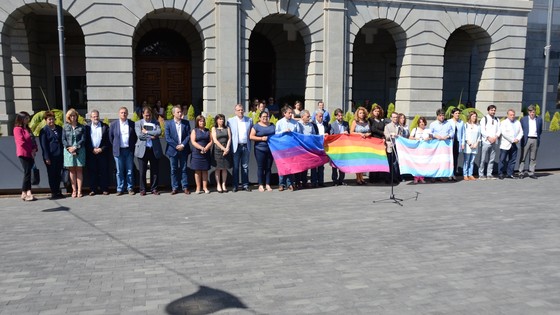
489 135
227 145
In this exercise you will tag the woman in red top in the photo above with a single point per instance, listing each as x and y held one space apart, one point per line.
26 148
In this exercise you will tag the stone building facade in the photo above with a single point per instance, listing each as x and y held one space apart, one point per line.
216 53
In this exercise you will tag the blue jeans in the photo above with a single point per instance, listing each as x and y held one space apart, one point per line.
507 161
264 163
468 163
179 171
241 157
125 166
286 180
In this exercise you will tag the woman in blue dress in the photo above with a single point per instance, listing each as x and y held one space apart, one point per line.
200 156
259 134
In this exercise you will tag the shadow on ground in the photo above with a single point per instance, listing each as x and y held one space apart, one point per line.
56 209
205 301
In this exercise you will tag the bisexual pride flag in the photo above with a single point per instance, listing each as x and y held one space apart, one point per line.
430 158
295 152
354 154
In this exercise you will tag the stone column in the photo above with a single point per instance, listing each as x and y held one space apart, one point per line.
228 75
335 68
7 108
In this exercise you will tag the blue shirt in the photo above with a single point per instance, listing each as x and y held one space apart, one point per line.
442 129
288 124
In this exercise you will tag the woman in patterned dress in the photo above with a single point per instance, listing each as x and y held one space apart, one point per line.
221 136
73 140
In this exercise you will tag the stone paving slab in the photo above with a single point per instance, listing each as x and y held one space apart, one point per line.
484 247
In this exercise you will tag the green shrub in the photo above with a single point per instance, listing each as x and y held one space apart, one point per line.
555 123
37 122
390 110
209 122
169 111
348 117
547 116
414 122
190 113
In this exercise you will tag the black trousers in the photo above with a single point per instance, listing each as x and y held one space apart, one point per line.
27 165
54 173
98 171
154 169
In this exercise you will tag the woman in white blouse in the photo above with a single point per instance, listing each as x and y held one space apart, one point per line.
420 133
472 140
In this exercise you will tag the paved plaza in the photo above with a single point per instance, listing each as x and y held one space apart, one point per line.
484 247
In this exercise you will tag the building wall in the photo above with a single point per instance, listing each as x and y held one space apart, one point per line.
419 28
535 61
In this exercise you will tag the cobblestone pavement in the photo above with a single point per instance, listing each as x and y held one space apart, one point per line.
484 247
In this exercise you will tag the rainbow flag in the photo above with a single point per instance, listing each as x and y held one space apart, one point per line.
295 152
354 154
430 158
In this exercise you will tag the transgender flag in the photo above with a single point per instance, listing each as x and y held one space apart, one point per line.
354 154
295 152
429 158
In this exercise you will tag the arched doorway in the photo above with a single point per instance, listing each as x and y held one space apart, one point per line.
163 68
374 76
281 61
465 55
262 67
32 57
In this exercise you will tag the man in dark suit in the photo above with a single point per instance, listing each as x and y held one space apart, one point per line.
148 149
98 151
177 135
123 138
322 128
338 126
532 130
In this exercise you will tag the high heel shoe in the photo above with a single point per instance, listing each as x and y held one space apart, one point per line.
74 194
224 188
79 194
219 189
29 198
23 196
261 188
268 188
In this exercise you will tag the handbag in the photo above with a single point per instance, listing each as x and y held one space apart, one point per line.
65 177
35 175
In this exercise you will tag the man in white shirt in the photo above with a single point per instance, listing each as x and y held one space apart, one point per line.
240 127
511 134
490 132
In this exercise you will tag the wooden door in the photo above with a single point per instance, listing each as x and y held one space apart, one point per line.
163 79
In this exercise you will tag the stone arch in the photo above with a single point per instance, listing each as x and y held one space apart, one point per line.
30 61
466 53
182 24
377 52
290 39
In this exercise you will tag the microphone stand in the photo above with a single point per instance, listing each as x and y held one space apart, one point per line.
392 171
